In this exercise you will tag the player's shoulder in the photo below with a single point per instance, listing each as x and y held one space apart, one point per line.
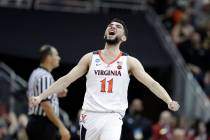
133 61
86 58
131 58
90 54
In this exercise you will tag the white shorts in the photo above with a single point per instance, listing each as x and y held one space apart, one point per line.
100 126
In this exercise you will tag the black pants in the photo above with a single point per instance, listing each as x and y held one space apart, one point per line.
40 128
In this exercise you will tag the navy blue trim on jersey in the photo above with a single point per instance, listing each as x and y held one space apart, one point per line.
124 54
83 132
96 52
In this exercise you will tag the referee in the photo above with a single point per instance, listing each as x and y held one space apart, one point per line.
43 119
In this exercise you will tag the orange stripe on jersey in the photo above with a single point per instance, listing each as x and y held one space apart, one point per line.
99 52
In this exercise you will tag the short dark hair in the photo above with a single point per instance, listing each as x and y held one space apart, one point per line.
123 24
44 51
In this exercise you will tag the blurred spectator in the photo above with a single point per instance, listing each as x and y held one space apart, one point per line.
182 30
137 127
195 54
201 131
21 129
168 20
12 123
178 134
3 129
177 14
201 12
8 126
161 6
184 125
162 130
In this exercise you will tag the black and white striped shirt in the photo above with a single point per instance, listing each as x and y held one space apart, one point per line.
39 81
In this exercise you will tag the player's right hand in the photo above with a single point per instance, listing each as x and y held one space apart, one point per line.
64 133
34 101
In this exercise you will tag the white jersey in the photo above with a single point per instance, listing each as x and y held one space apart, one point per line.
107 85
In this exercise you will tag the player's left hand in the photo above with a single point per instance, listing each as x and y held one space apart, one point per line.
173 105
63 93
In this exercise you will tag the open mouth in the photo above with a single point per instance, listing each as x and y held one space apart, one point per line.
111 32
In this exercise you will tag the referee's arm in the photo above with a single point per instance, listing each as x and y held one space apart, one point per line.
46 106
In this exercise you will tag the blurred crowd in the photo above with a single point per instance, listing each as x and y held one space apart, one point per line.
136 125
168 127
188 22
12 127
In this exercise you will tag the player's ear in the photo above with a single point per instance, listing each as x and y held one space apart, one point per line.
124 38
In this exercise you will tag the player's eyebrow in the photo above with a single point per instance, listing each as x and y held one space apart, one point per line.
119 26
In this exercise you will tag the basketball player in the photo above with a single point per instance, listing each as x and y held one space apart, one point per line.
108 72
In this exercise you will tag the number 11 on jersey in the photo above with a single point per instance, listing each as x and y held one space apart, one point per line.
103 85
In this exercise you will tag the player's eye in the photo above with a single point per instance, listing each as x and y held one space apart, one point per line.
110 25
119 26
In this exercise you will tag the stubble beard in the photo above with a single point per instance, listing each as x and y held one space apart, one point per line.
114 41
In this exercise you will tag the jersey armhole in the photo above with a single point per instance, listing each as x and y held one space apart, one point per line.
127 55
124 54
93 53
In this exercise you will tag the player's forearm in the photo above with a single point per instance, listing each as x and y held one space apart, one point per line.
160 92
56 87
64 81
51 115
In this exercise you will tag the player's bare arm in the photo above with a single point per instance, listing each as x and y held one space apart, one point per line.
78 71
136 69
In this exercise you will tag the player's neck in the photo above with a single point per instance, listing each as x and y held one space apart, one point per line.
112 49
46 66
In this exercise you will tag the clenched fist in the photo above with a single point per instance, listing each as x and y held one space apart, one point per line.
173 105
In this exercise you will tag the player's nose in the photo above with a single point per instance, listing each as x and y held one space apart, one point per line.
113 26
